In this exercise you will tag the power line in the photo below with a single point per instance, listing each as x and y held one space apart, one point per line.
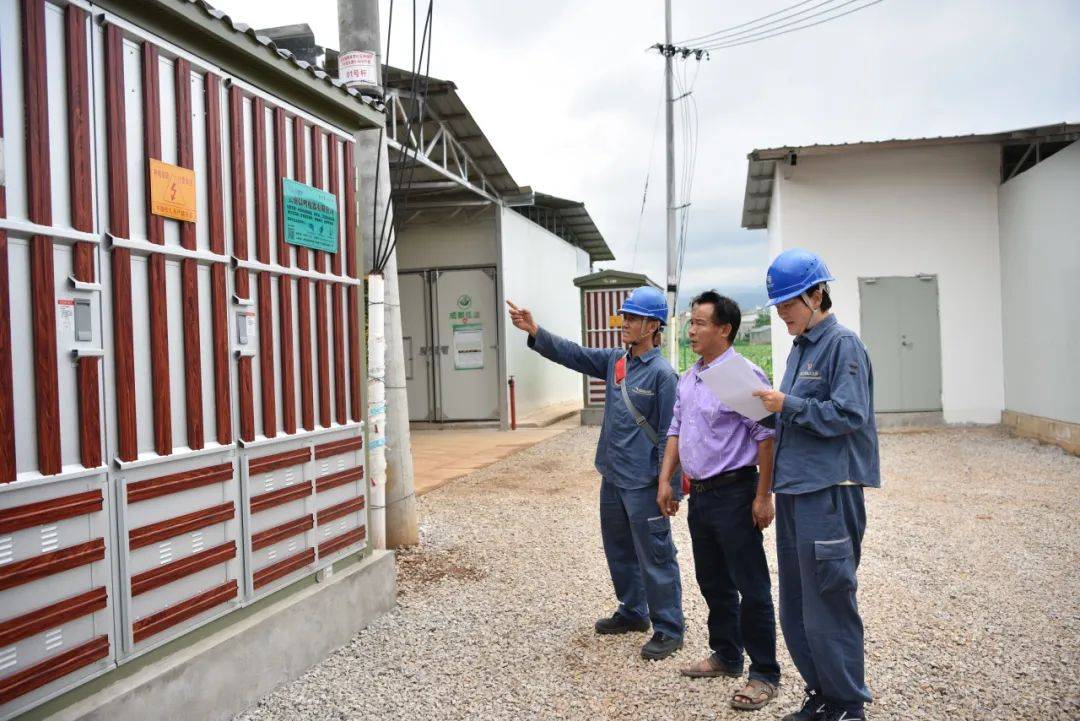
728 30
747 40
421 102
648 172
385 247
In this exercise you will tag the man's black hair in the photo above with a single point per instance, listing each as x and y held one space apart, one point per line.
826 299
725 310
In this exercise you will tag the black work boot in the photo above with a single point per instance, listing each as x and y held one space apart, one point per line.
839 714
620 624
813 708
660 646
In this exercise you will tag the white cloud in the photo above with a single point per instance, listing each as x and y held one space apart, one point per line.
568 95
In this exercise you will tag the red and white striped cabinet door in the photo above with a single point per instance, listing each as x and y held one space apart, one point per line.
298 355
601 307
170 401
56 590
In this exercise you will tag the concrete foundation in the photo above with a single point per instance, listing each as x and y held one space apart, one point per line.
222 673
928 419
1060 433
592 415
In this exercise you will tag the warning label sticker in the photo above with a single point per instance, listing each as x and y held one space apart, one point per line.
172 191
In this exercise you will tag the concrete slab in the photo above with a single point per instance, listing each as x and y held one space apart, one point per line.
220 675
549 415
441 456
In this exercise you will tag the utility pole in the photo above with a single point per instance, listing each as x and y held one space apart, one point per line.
669 52
672 245
393 504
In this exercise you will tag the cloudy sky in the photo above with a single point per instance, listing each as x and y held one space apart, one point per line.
569 96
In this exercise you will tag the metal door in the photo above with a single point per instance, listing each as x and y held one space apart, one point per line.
56 545
901 329
167 370
465 321
296 346
416 336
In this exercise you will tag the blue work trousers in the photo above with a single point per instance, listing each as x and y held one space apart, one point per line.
641 557
729 561
818 542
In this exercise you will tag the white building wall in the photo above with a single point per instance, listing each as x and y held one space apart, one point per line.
447 244
1040 263
902 212
538 273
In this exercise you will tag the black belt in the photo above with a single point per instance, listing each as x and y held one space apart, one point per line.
746 473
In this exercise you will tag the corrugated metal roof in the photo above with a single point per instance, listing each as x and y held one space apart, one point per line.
574 225
447 106
761 163
285 55
569 218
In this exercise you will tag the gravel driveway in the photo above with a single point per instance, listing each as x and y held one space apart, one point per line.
969 589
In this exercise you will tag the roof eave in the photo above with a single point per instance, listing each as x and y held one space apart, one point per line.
189 24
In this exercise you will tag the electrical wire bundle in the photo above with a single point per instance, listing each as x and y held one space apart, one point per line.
385 236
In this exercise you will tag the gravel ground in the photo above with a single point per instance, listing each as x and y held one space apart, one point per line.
969 591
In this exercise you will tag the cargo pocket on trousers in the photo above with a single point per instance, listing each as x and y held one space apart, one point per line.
835 566
663 550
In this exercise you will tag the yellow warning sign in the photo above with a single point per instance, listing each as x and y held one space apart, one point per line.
172 191
615 321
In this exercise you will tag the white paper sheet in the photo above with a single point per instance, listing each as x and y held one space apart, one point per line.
733 381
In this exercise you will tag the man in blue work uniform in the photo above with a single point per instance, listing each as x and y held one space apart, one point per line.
637 536
826 452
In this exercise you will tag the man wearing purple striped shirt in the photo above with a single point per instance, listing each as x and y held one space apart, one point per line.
730 505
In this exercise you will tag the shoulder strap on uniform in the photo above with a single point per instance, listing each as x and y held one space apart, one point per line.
639 419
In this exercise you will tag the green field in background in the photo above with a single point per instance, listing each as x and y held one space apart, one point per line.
761 355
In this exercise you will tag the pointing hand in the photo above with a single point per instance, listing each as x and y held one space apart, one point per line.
522 319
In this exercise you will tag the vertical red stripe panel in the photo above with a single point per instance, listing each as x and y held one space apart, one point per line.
335 295
285 296
351 251
333 170
339 353
155 227
262 252
303 290
303 318
300 174
351 260
321 329
189 270
219 301
243 290
38 188
317 181
82 218
322 333
7 399
281 170
123 343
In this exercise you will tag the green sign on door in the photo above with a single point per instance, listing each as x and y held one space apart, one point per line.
310 216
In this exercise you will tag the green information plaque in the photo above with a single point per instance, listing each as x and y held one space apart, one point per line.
310 216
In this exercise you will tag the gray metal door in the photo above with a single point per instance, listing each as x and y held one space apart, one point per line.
900 326
466 332
416 337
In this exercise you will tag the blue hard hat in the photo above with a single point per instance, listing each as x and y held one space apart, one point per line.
646 301
793 273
